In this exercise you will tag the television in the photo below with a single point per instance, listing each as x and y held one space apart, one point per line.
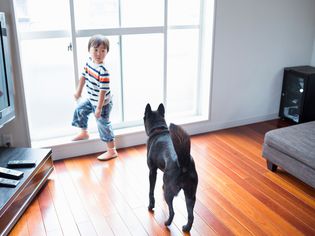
7 110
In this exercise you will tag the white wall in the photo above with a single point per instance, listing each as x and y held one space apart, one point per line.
253 41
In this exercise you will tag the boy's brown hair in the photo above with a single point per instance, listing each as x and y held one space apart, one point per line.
97 40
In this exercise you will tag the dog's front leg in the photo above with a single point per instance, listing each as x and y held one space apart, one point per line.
190 203
169 200
152 179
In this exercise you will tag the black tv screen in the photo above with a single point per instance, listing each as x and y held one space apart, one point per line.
7 110
4 100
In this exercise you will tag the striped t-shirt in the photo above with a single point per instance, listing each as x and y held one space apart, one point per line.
96 79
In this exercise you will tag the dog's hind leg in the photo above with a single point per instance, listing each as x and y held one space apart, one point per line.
169 200
190 203
152 179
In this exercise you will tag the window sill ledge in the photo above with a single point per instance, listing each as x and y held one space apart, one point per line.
119 133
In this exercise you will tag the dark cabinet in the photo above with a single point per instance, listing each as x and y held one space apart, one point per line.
298 94
15 200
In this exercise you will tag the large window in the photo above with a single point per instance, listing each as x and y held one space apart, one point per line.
160 51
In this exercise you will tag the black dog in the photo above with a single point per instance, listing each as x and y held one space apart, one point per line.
169 151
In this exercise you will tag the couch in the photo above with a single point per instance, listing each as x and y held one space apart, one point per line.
293 149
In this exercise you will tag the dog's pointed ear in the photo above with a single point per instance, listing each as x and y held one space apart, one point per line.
147 109
161 109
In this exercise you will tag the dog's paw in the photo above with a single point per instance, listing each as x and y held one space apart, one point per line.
168 222
150 207
186 228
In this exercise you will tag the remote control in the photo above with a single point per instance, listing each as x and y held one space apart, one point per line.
21 163
11 174
8 182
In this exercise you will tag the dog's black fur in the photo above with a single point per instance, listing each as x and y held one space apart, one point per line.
169 151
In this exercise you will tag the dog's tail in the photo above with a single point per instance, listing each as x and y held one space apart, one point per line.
181 142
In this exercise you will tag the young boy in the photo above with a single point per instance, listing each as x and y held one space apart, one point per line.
96 78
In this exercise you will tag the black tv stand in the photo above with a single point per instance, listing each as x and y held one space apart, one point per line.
14 201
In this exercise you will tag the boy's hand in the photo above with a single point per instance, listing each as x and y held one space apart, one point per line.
98 112
77 96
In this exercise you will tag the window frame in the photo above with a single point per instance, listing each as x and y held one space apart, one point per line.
204 58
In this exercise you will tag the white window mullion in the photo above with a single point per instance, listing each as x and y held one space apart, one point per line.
121 31
200 58
172 27
122 104
74 43
205 82
165 54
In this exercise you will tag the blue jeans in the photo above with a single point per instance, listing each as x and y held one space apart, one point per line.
81 117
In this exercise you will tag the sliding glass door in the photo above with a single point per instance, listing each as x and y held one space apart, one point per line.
47 65
156 48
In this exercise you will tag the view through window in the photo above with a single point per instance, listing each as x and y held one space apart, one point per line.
159 53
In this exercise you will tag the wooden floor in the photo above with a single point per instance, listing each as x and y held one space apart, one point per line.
236 195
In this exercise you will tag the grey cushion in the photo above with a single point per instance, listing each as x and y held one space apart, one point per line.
297 141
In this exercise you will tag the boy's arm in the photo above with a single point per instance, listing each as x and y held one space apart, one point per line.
100 103
78 93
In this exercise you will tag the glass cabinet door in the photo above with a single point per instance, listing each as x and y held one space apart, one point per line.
293 97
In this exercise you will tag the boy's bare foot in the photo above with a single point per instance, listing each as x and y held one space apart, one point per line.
110 154
81 136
